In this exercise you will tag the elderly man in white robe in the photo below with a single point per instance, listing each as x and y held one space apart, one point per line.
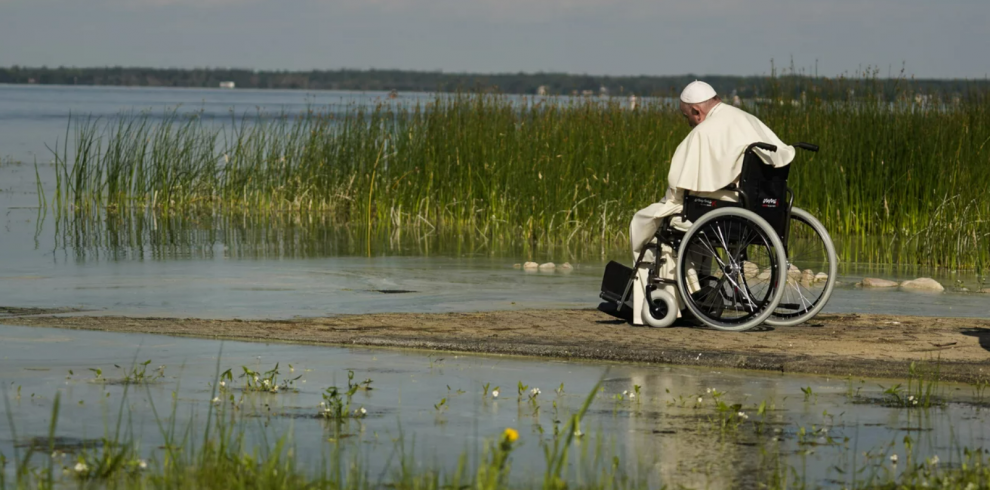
709 159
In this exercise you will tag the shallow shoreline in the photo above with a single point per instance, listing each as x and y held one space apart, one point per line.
875 346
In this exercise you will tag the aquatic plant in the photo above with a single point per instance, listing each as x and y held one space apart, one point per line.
922 389
138 373
336 404
266 382
900 178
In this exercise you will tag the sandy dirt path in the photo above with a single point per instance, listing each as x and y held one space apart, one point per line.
832 344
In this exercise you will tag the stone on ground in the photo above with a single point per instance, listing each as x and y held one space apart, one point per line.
872 282
548 266
750 269
793 272
530 265
923 284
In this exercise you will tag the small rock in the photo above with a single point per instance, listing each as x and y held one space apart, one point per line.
963 289
793 272
750 269
548 266
566 266
530 266
821 277
984 290
517 266
872 282
764 275
923 284
807 276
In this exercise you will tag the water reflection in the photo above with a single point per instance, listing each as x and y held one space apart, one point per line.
129 235
665 434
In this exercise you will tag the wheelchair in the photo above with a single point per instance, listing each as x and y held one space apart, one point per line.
738 264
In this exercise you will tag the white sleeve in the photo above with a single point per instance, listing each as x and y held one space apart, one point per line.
673 196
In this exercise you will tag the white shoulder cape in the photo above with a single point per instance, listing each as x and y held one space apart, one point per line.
711 155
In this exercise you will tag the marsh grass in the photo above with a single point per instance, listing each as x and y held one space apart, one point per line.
223 456
904 177
224 459
920 390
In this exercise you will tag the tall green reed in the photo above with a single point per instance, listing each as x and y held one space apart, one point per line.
903 176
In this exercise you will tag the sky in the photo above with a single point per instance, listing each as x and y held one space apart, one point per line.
927 38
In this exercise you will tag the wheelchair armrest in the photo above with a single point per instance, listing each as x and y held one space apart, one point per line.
762 146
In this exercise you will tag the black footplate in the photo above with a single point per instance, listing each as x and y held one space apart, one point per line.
615 281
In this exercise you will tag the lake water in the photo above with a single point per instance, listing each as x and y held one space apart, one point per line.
225 268
666 432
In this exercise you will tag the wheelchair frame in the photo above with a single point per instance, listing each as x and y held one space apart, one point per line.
761 190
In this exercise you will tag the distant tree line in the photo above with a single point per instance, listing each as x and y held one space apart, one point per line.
511 83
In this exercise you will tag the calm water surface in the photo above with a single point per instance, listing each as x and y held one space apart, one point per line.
665 431
225 268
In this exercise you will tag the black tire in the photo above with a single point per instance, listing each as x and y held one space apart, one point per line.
728 250
809 248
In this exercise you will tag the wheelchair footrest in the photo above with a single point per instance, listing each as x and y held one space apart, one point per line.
615 281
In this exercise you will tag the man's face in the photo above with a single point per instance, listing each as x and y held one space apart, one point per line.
693 114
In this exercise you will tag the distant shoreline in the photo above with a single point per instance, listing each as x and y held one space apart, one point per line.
838 345
426 81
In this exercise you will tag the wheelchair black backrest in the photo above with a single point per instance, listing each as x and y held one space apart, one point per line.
762 189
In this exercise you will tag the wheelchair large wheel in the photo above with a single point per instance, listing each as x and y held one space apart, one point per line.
731 269
812 266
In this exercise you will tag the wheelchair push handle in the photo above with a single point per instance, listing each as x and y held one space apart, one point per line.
762 146
806 146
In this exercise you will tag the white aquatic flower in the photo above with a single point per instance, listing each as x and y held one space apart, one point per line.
934 460
223 383
632 395
363 411
255 379
893 458
911 397
81 467
495 394
216 399
265 382
142 464
700 400
275 388
625 392
578 433
743 415
323 404
916 402
534 391
709 390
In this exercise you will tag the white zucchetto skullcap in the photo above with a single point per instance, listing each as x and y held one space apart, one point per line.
697 92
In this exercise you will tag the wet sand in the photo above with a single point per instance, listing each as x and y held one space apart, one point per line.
832 344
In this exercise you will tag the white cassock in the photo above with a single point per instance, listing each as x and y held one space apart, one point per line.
709 158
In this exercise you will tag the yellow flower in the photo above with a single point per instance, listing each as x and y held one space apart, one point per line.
510 435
